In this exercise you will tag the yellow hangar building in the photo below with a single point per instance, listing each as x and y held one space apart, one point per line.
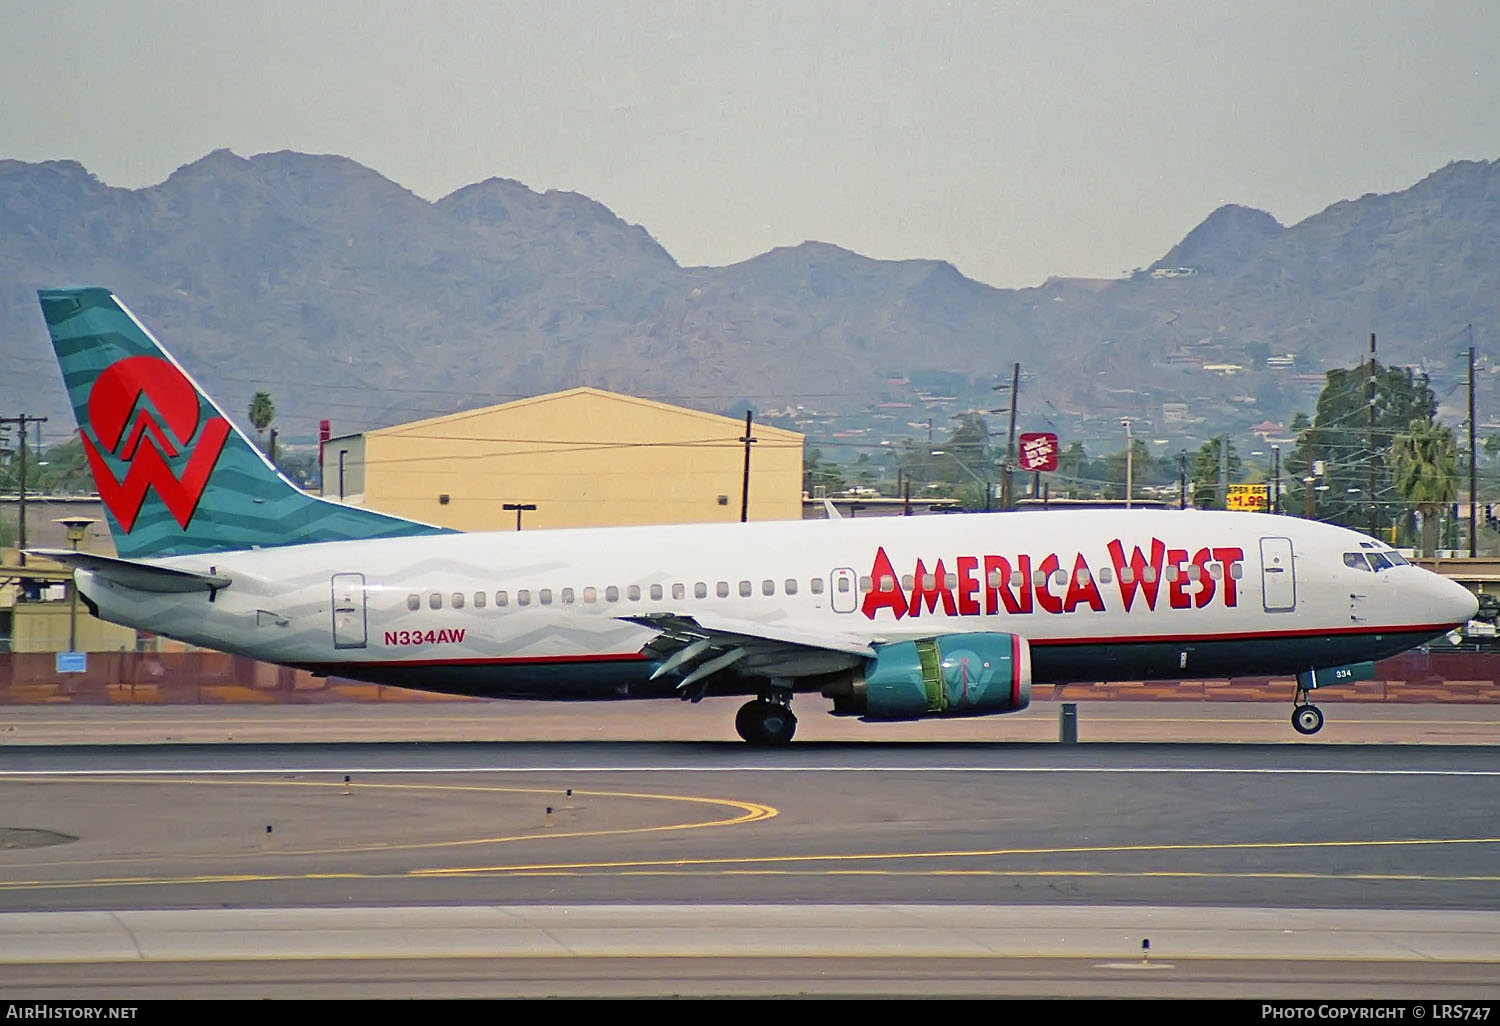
580 458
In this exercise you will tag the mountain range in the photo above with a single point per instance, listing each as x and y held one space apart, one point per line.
348 297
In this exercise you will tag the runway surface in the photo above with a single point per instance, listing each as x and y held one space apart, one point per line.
147 867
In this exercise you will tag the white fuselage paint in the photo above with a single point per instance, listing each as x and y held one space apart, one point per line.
287 604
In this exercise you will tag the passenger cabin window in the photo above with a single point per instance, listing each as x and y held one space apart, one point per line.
1106 575
633 593
700 590
722 589
567 596
501 598
864 583
434 601
843 585
1236 570
611 594
907 580
888 583
791 585
745 589
1127 575
458 600
768 587
816 585
678 591
414 602
479 598
523 597
544 596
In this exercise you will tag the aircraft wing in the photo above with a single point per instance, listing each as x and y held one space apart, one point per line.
129 573
697 647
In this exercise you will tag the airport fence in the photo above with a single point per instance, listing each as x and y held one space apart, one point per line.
210 678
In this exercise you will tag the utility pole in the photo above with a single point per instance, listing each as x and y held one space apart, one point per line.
1370 398
1276 480
1129 457
749 440
1007 488
1223 471
1010 445
1182 479
21 423
1473 456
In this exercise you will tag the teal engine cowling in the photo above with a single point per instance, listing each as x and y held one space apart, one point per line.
949 675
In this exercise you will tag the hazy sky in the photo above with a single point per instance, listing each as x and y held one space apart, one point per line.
1016 140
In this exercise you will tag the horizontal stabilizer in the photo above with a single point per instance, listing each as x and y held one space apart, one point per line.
128 573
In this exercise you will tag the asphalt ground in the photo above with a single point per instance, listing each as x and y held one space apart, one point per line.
1171 722
946 858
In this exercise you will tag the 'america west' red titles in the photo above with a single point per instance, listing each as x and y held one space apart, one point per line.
984 585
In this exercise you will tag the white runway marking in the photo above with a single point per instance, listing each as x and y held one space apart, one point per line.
692 768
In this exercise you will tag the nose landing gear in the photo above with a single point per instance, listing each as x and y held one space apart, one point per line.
1306 717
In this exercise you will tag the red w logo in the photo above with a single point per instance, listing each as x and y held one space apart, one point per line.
114 402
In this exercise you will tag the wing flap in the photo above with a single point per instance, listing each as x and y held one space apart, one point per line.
696 648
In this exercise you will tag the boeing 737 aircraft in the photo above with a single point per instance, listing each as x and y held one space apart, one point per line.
894 618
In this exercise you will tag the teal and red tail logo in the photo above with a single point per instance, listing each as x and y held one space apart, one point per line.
144 412
175 475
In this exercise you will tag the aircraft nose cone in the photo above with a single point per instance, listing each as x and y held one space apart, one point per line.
1456 604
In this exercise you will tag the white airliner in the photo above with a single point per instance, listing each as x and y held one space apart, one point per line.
893 618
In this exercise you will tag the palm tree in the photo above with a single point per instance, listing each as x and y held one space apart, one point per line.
262 412
1424 465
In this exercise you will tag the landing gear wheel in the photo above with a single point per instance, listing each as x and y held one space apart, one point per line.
765 723
1307 719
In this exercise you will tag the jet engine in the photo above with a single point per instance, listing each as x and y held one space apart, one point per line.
948 675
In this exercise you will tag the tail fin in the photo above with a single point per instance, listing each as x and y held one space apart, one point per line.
174 474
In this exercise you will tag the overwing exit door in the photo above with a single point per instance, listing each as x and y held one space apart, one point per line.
843 590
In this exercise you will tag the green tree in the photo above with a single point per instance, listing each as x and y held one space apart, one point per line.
1341 438
262 412
1424 467
1205 472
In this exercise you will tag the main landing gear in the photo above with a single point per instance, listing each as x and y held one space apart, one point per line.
768 720
1306 717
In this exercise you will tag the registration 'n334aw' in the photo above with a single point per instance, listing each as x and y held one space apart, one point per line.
894 618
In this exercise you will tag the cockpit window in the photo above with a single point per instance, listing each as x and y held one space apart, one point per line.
1377 560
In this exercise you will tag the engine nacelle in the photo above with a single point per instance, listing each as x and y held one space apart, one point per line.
949 675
